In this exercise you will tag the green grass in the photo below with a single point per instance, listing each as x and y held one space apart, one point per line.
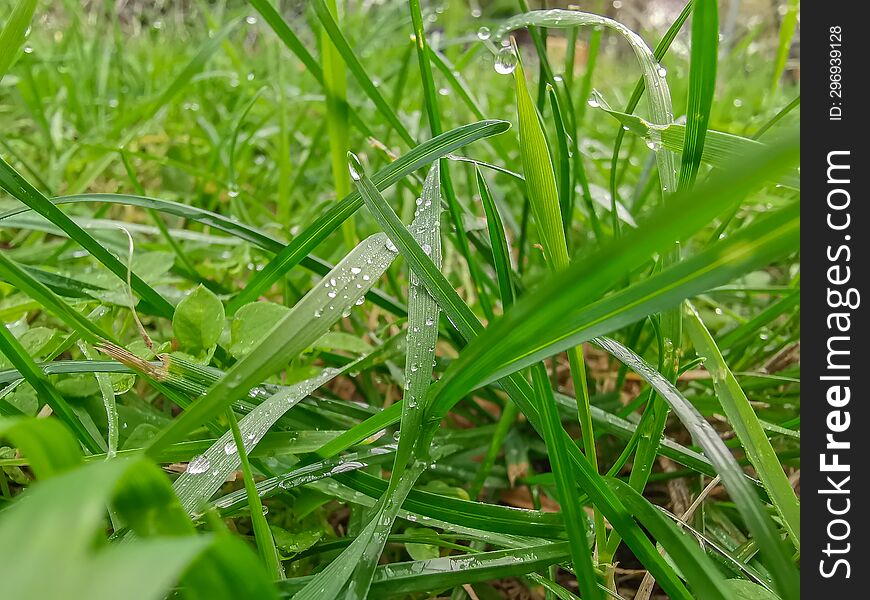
310 301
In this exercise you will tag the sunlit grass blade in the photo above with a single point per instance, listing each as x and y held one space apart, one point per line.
745 422
702 85
787 29
307 240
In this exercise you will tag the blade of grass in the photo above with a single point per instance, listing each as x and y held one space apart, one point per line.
545 203
335 86
469 326
702 86
262 533
14 33
745 422
310 318
45 390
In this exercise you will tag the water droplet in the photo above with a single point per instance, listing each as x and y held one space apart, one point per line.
354 166
391 246
230 448
233 191
444 91
430 321
427 249
251 20
355 270
483 34
360 301
661 71
331 293
505 61
318 313
28 49
332 281
198 465
593 102
366 278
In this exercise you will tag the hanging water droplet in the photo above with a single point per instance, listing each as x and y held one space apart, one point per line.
483 34
198 465
28 49
505 61
354 166
346 312
233 191
360 301
593 101
391 246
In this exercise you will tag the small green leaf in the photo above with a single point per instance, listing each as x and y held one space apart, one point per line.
198 320
422 551
251 323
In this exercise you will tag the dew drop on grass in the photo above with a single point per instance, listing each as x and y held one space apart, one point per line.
360 301
505 61
198 465
354 166
251 20
230 448
355 270
593 102
663 72
392 247
483 34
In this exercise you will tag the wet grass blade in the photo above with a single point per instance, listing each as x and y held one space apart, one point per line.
702 86
307 240
461 316
14 33
310 318
745 422
720 149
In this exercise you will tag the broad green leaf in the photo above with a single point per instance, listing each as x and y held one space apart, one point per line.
48 446
198 320
251 323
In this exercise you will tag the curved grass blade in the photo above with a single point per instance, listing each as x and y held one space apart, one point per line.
764 532
745 422
661 50
656 84
720 149
20 189
702 85
308 239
